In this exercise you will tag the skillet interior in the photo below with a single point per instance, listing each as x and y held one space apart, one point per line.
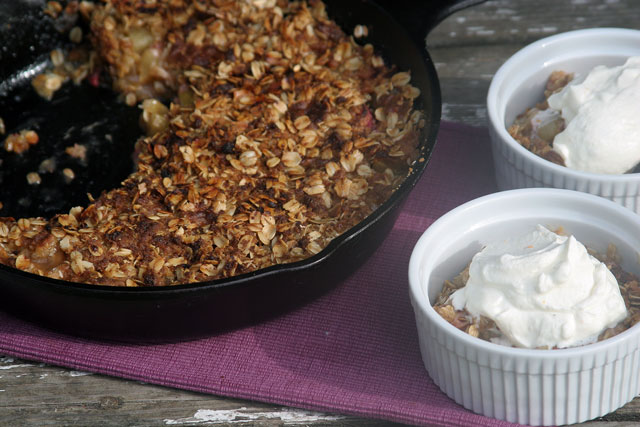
189 311
77 114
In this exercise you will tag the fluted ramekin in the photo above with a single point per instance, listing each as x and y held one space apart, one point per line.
519 84
527 386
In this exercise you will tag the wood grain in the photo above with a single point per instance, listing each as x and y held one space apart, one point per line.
467 48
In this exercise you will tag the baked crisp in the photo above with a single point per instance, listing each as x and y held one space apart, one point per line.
486 329
536 128
275 134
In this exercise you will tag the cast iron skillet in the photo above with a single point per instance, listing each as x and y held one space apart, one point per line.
87 114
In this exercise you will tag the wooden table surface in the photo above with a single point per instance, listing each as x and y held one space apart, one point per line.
467 48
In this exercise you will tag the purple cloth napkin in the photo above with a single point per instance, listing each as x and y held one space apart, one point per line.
353 351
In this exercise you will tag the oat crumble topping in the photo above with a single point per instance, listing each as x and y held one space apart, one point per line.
536 128
275 134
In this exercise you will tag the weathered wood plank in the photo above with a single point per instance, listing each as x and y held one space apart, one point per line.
39 394
523 21
469 46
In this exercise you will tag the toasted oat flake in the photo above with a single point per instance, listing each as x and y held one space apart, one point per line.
57 57
48 165
401 79
77 151
69 174
47 84
75 35
360 31
33 178
291 158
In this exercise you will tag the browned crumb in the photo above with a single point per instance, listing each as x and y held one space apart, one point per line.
360 31
21 141
46 84
47 165
53 9
536 128
556 82
69 174
72 65
77 151
33 178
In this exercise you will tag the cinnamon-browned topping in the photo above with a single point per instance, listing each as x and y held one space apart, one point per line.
536 128
277 134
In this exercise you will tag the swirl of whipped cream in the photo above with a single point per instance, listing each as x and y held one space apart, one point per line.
601 115
542 290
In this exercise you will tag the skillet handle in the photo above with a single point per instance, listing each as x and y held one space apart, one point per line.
419 17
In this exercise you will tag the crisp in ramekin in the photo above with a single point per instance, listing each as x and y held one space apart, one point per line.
527 386
519 84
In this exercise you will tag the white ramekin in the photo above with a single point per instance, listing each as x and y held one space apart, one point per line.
536 387
519 84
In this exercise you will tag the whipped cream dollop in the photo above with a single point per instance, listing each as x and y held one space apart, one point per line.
542 289
602 116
